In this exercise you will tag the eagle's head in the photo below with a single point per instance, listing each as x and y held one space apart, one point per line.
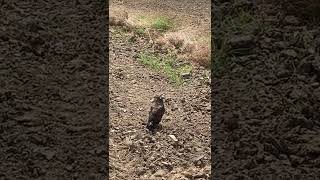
159 99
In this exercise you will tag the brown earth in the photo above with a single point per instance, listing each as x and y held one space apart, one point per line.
266 106
134 153
52 92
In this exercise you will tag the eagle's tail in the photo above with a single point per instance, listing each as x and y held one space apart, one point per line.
149 125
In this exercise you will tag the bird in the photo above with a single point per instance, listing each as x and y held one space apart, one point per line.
156 113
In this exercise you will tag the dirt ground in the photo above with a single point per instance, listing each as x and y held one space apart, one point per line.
52 92
134 153
266 108
191 18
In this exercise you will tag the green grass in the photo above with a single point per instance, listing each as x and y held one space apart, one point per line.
162 24
166 65
240 23
141 31
142 17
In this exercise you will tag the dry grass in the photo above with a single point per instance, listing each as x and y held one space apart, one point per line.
195 51
185 43
118 18
201 55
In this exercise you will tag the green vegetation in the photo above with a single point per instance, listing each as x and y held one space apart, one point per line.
240 23
141 31
162 24
141 17
167 65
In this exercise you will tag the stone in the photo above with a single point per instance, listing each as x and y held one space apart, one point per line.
186 75
197 158
289 53
291 20
173 137
159 173
240 41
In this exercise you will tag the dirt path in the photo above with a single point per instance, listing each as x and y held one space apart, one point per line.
134 154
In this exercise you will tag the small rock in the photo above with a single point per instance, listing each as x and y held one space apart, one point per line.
141 171
291 20
208 107
186 75
197 158
183 100
49 154
102 150
200 175
69 167
283 73
173 138
289 52
281 44
175 107
159 173
241 41
268 158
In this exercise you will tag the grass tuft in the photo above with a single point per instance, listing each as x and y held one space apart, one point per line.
141 31
166 65
240 23
162 24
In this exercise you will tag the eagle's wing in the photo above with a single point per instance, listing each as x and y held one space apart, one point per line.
151 110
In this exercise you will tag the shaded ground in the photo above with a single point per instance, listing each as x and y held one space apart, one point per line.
266 107
135 154
51 76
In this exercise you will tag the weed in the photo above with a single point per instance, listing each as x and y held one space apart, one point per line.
141 17
141 31
241 23
165 64
162 24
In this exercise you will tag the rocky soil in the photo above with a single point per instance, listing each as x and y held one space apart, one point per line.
266 108
181 149
52 92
